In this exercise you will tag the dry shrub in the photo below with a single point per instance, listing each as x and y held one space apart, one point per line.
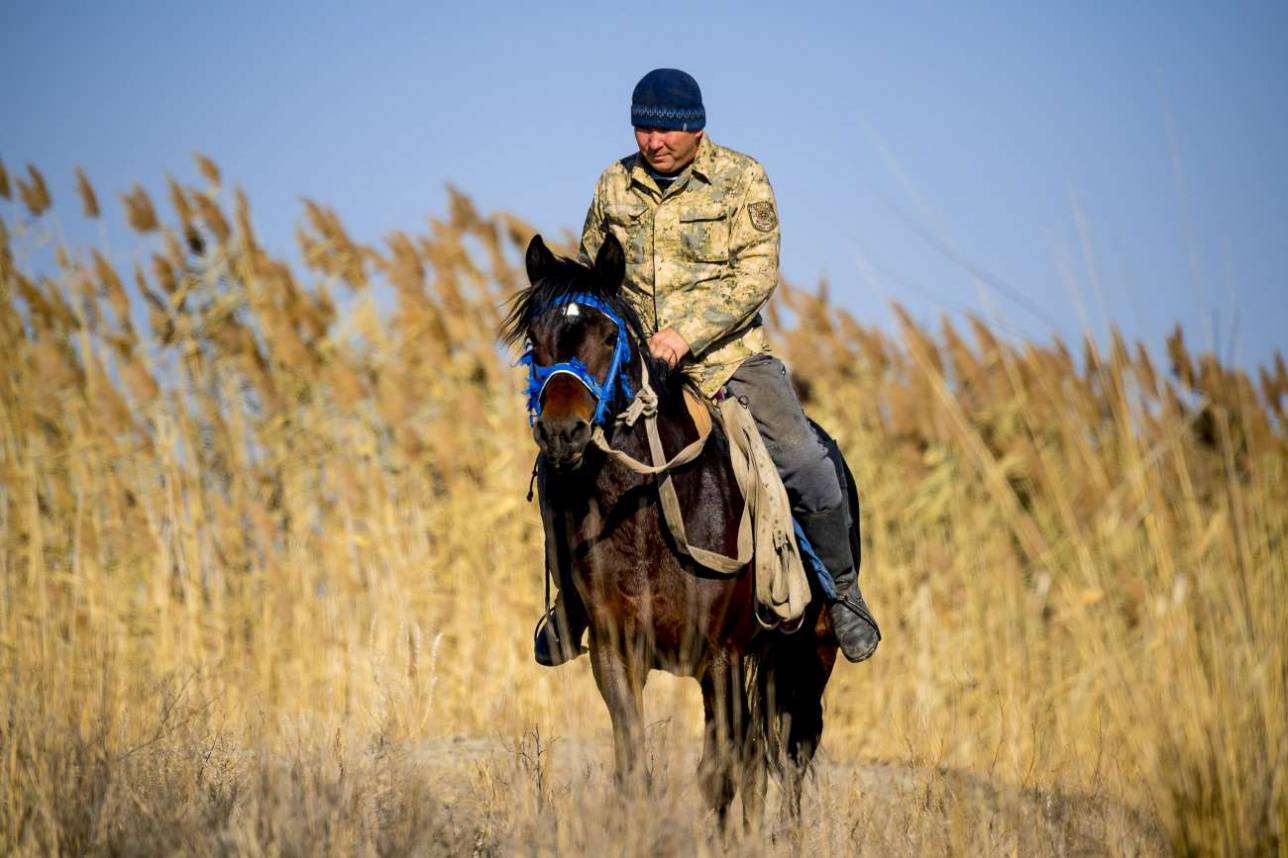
307 501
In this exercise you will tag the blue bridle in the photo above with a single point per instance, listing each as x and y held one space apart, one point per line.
539 376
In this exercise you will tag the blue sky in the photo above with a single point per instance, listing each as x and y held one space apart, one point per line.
1048 167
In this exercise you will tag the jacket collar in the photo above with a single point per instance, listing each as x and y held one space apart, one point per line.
701 167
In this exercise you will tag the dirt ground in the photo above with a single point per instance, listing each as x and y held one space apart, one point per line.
848 807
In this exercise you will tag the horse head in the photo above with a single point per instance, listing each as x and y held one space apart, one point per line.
580 334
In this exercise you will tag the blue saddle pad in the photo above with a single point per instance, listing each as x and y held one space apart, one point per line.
812 564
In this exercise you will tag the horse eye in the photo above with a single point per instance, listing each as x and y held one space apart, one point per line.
611 339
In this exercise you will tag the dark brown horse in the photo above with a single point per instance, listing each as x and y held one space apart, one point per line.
648 606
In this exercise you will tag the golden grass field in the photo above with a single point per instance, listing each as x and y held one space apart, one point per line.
269 576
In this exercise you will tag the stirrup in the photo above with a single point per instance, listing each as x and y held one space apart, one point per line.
548 648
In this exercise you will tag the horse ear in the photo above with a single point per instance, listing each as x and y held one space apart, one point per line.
538 259
610 264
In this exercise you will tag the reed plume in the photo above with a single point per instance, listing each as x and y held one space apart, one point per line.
89 199
34 192
139 212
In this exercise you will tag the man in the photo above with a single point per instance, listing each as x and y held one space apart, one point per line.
700 230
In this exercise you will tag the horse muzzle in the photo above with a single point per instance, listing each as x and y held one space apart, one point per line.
562 440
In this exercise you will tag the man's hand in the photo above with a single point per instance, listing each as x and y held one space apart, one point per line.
668 346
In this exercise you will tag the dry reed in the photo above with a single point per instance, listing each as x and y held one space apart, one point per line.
266 561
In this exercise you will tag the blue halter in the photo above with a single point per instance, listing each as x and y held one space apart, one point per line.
539 376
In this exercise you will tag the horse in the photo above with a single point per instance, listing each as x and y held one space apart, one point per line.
647 604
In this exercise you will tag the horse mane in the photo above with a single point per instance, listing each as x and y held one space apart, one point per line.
570 277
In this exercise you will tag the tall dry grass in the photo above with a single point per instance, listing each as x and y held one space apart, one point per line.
269 575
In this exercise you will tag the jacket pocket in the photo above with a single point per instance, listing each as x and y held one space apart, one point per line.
704 233
626 221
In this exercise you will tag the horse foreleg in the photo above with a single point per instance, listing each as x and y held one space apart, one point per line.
621 683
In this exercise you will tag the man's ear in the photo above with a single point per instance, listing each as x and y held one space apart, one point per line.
538 260
610 265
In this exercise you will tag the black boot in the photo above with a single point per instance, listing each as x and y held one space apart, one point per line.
852 623
558 635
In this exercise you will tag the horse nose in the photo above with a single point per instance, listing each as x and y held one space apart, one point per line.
560 438
578 434
572 434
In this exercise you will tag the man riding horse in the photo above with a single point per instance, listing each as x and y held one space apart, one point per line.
700 229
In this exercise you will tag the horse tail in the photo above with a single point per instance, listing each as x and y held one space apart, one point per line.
784 681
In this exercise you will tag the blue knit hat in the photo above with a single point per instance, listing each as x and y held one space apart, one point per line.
669 99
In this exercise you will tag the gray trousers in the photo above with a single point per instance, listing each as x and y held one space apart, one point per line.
761 383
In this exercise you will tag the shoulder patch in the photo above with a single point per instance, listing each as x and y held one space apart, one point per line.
763 216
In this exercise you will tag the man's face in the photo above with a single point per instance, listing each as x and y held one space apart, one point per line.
667 151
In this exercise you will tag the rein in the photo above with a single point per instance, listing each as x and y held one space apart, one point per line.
645 405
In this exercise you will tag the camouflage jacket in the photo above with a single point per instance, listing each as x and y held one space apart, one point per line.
701 258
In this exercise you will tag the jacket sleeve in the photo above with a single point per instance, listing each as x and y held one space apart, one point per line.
753 269
593 231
